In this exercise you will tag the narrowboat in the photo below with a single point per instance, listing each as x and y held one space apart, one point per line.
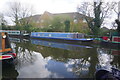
16 33
61 36
113 41
6 53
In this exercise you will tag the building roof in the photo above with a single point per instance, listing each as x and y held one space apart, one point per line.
70 15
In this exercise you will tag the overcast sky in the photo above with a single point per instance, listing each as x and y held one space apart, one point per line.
52 6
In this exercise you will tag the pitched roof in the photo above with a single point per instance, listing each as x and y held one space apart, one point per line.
71 15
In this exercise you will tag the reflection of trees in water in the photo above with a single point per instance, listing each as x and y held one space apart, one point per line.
79 66
106 59
13 45
80 62
61 54
24 55
117 65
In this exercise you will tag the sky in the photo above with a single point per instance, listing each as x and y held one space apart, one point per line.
40 6
52 6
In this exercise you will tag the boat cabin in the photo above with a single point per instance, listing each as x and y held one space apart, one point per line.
114 39
6 53
4 43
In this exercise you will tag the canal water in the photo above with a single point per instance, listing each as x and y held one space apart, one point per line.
51 59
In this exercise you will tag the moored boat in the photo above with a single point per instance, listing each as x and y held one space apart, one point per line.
61 36
113 41
6 53
16 33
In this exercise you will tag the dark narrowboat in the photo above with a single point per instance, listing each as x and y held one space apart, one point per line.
6 53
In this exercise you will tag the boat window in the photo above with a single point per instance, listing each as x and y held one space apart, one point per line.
7 42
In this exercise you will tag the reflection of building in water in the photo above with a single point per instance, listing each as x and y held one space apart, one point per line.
104 59
79 66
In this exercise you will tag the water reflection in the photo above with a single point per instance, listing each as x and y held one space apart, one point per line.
79 66
59 60
9 71
58 45
107 58
36 69
45 59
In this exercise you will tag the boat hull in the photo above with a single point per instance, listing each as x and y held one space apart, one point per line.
113 41
110 44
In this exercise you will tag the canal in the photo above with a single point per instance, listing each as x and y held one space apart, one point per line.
50 59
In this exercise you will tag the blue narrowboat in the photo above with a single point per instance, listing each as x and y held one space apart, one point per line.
62 36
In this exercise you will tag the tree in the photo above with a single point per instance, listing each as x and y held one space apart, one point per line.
67 25
95 13
117 11
19 12
118 25
2 21
56 25
14 9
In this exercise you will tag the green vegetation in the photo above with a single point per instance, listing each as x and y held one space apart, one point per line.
56 25
67 25
95 14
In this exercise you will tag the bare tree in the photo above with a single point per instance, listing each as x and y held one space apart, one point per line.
26 11
95 13
3 22
19 12
14 10
117 11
